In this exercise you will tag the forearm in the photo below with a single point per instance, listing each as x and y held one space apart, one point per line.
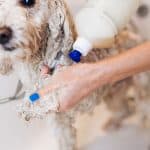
107 71
119 67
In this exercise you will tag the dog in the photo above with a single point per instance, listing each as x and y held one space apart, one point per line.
37 32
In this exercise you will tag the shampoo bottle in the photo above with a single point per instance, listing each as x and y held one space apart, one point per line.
99 22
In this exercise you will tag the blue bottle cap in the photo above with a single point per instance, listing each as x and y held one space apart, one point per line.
75 55
34 97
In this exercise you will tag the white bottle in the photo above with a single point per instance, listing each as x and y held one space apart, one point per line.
99 22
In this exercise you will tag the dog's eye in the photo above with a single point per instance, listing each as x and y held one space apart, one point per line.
27 3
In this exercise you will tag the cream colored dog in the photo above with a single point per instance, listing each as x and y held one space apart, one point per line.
32 33
37 32
28 34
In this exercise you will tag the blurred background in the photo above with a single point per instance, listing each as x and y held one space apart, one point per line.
15 135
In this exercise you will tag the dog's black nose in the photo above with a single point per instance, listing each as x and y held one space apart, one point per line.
5 35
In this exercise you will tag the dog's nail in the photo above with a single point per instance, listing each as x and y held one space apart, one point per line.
34 97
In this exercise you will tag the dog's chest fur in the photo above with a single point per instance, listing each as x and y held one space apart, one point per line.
60 39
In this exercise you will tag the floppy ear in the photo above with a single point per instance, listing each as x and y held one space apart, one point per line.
62 32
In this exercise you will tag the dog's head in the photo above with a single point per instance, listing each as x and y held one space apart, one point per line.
23 28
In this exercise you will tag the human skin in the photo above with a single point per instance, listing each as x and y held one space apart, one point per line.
80 80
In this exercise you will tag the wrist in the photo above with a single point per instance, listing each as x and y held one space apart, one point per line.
103 72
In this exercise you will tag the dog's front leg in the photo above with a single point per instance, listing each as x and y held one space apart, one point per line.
63 134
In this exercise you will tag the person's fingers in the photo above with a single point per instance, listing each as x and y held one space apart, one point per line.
69 99
61 79
55 84
66 99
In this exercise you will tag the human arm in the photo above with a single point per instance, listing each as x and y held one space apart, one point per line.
82 79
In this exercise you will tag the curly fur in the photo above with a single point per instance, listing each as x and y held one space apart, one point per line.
39 34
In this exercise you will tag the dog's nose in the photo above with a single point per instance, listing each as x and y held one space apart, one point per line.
5 35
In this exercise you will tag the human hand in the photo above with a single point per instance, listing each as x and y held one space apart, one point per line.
77 82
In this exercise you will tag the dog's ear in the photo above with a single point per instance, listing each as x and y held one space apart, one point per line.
62 31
